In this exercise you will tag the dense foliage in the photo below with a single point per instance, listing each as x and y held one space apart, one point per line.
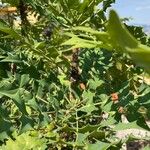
67 80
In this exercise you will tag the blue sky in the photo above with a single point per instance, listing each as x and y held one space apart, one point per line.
139 10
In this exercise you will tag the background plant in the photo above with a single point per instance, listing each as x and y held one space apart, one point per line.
36 92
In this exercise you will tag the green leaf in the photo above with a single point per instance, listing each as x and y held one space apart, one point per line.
88 128
5 128
44 119
88 96
12 59
33 104
123 41
106 106
95 83
81 138
88 108
12 3
141 56
9 31
25 141
26 123
63 80
120 38
146 148
24 80
15 95
39 45
87 42
109 121
77 42
99 146
103 36
6 84
130 125
99 135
